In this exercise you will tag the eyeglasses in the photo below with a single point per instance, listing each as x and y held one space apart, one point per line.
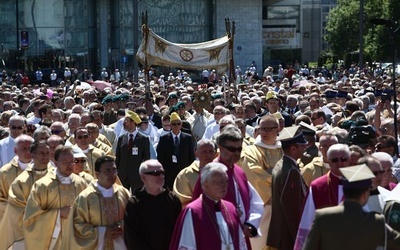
17 127
378 172
56 132
266 129
314 118
176 124
233 149
80 161
155 172
80 137
110 171
342 159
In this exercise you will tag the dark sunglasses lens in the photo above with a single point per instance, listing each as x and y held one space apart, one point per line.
155 173
17 127
56 132
233 149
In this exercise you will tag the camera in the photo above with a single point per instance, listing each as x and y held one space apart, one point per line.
386 97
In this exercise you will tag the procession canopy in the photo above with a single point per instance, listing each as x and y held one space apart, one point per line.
155 50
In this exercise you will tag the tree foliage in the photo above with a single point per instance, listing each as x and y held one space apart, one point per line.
344 25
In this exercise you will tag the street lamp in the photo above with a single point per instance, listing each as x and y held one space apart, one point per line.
393 27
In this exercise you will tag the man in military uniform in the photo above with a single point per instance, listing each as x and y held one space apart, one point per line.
362 230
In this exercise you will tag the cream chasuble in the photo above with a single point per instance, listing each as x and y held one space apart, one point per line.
42 221
91 213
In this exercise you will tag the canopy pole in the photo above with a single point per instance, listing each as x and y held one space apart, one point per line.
145 31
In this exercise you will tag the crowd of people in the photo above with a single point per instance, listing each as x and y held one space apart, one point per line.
292 160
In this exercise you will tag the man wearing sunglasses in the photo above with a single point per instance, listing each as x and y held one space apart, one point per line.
80 161
175 150
149 206
240 192
133 148
325 191
92 153
17 125
57 128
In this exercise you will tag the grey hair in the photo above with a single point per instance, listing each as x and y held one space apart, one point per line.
206 142
74 115
146 164
16 118
383 156
227 119
338 147
41 130
229 133
67 99
23 138
210 169
256 100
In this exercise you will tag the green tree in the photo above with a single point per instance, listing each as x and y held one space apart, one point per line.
343 28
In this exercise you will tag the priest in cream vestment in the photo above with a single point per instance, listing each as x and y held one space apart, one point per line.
11 225
49 203
96 218
258 162
11 170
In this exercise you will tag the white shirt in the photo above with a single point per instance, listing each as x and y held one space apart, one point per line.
211 129
6 150
33 120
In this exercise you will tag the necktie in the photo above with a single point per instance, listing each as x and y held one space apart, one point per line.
176 145
130 142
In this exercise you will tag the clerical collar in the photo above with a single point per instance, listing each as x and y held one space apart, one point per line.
22 165
107 193
86 150
63 179
258 142
215 201
338 176
40 171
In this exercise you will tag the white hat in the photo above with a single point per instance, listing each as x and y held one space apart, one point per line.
78 153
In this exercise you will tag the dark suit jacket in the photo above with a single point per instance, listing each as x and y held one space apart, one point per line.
185 157
128 164
288 194
347 226
157 120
